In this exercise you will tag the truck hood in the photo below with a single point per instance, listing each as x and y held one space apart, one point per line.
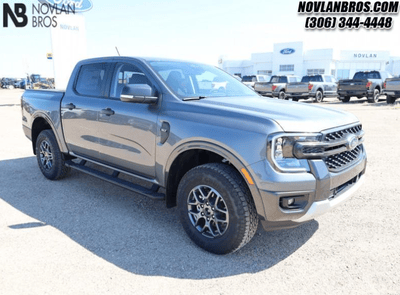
291 116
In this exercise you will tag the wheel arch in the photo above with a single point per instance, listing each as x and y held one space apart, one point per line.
40 123
199 153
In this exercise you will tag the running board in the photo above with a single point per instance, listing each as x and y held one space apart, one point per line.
152 193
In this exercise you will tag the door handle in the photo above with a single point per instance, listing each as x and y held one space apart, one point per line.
70 106
107 112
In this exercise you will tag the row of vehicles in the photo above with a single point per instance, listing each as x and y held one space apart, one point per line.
370 84
33 81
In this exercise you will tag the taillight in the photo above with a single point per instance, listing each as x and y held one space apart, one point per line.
368 84
384 85
274 87
310 86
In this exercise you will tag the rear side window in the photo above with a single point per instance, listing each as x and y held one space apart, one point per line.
92 79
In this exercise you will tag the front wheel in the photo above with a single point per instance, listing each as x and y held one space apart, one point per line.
216 208
49 157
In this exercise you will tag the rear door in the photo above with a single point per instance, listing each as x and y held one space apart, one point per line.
80 109
127 131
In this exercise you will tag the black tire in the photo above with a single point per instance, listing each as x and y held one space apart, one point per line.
49 157
223 233
346 99
375 97
390 99
282 95
319 96
295 99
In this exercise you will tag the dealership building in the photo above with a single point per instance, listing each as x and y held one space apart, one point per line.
292 59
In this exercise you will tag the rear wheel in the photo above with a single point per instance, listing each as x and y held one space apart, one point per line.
319 96
346 99
282 95
49 157
216 208
390 99
375 97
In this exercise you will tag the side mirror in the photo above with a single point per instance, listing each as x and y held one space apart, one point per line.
138 93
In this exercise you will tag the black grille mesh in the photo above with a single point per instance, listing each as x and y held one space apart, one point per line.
342 160
340 134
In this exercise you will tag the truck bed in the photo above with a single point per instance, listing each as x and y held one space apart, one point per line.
263 87
393 84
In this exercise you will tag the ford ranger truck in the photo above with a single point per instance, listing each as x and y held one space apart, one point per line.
364 84
228 159
276 87
318 87
391 88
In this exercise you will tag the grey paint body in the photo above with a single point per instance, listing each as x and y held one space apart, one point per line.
235 128
392 87
300 89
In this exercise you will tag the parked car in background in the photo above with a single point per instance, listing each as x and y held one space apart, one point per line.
367 84
276 87
391 88
251 80
8 83
317 87
228 160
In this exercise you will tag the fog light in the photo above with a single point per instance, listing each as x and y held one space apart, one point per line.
293 202
290 201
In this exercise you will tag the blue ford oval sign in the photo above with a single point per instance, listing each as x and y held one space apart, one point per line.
287 51
77 5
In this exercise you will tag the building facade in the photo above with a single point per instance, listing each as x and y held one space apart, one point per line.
291 59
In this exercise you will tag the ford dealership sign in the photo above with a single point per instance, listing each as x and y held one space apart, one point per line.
287 51
76 5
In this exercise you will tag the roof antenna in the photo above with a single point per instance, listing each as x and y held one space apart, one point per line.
117 50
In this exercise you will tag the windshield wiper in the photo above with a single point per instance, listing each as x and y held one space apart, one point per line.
194 98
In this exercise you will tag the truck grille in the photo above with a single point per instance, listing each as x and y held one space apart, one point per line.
340 134
340 161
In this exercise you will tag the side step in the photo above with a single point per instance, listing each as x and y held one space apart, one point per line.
152 193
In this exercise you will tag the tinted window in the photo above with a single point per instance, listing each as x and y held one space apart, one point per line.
367 75
92 78
249 79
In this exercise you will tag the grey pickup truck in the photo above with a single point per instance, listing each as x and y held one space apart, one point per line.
364 84
391 88
276 87
317 87
227 158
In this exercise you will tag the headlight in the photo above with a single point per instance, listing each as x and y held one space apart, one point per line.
280 151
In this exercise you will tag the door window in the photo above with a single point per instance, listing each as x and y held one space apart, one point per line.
92 79
127 74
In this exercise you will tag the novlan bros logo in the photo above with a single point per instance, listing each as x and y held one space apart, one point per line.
44 13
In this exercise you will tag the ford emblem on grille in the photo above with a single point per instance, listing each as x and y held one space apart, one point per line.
352 141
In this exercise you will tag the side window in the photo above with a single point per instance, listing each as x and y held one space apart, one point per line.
92 79
126 74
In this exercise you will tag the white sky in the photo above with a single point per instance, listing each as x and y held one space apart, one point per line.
185 29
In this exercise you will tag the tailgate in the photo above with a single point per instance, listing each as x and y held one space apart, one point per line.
297 87
263 86
393 84
352 85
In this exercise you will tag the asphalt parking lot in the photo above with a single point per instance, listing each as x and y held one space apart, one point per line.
81 235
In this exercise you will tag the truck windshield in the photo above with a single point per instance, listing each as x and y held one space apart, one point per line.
279 79
198 80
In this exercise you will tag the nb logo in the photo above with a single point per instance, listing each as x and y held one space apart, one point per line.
18 16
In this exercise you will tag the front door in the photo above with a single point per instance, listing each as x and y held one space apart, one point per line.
127 131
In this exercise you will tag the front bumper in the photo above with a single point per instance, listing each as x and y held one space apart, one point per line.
318 190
